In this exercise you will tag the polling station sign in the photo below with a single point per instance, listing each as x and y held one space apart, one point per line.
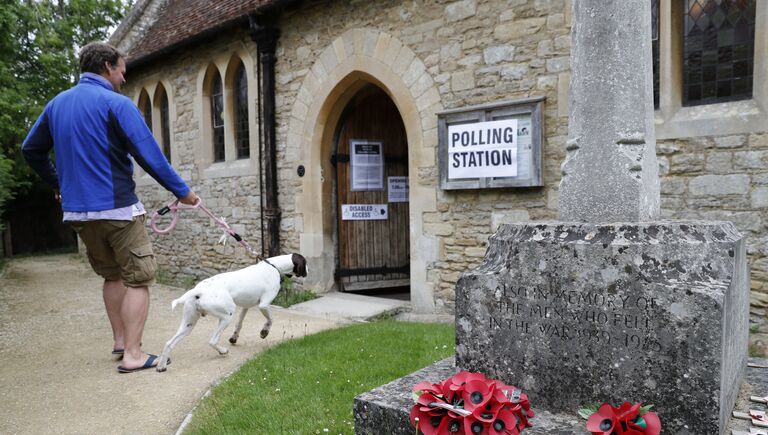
364 212
482 149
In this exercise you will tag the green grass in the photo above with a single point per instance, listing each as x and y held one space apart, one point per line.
307 385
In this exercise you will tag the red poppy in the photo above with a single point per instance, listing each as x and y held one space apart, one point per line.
476 394
489 412
470 403
458 380
624 420
603 421
652 423
506 423
627 411
473 426
450 426
526 405
427 387
427 423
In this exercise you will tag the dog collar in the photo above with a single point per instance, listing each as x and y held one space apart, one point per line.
278 271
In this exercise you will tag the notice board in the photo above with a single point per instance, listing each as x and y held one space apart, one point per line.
491 146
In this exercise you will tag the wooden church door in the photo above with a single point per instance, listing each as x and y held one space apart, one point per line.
371 162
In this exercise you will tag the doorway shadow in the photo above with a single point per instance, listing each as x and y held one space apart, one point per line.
402 293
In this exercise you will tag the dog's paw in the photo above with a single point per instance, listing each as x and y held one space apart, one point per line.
161 369
233 339
264 333
223 350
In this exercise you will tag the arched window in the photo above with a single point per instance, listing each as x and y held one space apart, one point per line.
242 142
146 108
165 126
217 117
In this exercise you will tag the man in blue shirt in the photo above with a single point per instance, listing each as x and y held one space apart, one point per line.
94 132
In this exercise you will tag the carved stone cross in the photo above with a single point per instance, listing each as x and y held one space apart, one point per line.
610 173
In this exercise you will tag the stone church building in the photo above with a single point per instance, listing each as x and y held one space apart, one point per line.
386 140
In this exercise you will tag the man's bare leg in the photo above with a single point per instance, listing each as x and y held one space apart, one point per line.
114 293
134 315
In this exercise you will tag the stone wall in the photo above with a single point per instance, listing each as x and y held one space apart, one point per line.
473 52
721 178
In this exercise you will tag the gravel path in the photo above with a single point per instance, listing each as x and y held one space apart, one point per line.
56 372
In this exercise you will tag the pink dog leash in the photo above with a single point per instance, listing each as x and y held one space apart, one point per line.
174 208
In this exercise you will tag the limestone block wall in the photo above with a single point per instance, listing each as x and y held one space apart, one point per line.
450 54
721 178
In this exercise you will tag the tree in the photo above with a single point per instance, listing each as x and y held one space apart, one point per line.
39 42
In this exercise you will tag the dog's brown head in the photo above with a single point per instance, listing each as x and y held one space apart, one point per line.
299 265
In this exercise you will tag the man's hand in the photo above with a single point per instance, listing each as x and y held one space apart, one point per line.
190 199
57 195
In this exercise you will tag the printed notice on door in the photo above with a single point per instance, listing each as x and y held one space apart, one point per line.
524 147
367 162
482 149
364 212
397 189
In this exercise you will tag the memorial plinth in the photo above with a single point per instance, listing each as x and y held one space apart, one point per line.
577 313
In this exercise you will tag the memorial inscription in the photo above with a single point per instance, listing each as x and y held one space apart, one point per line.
588 318
577 313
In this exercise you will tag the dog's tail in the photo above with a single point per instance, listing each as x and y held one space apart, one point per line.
184 298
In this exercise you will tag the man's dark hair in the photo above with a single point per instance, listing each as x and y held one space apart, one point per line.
93 56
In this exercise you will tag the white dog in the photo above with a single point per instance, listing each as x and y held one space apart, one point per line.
220 294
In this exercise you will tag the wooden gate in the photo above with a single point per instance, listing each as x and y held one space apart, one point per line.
373 237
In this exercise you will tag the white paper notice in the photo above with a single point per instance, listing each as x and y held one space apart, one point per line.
483 149
397 189
367 161
524 148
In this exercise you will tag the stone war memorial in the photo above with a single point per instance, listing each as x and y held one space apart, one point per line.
609 304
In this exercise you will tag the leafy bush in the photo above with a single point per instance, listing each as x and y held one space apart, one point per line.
289 295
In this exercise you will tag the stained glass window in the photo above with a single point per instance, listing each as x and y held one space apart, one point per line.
165 127
718 51
241 114
217 118
655 48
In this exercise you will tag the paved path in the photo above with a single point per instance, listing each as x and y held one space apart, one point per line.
56 372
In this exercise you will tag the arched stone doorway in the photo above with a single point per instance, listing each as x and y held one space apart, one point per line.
356 59
370 157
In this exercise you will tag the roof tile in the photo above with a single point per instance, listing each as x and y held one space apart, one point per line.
180 20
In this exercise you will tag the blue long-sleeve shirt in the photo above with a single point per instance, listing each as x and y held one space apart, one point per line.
93 131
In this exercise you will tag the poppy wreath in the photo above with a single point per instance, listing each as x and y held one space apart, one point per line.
627 419
469 403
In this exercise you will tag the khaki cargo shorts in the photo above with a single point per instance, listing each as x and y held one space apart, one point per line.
119 250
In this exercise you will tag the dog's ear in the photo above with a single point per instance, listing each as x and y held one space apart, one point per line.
299 265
